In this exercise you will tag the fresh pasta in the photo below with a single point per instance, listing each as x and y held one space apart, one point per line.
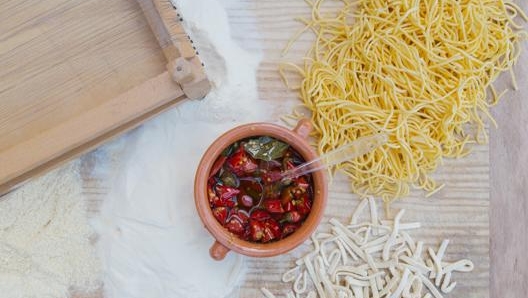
417 70
372 259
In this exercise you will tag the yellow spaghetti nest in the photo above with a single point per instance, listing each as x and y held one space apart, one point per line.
418 70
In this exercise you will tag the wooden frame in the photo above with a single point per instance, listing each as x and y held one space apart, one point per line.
30 153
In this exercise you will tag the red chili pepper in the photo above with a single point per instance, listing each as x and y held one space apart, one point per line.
246 236
273 206
213 198
289 228
277 216
226 192
301 182
229 202
289 206
271 231
274 226
235 226
287 163
267 235
241 163
243 215
239 215
220 213
304 205
259 214
215 201
256 230
292 217
217 165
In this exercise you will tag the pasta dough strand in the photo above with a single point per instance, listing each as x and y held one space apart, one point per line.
418 71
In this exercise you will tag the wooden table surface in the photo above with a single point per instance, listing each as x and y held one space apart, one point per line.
509 192
493 178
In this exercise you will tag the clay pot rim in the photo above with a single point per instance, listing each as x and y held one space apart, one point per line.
297 139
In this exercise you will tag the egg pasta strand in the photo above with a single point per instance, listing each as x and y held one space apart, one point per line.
417 70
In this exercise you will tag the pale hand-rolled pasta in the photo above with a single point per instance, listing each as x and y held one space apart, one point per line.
329 271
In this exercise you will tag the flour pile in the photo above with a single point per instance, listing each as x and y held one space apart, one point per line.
231 70
152 242
45 248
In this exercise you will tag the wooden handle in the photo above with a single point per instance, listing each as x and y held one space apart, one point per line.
303 128
218 251
166 26
183 63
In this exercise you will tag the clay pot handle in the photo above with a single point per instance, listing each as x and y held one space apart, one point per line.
303 128
218 251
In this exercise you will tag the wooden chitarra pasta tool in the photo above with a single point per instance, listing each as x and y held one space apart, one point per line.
36 133
184 66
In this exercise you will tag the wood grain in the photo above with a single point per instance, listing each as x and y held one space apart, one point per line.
87 130
62 57
509 190
67 86
509 186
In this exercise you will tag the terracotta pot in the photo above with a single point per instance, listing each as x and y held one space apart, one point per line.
225 241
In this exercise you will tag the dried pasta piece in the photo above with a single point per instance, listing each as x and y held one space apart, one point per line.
290 275
390 265
267 293
297 288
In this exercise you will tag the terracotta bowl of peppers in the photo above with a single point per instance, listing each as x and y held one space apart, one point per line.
271 240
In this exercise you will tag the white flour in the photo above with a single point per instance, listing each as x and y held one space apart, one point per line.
231 69
152 242
45 245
